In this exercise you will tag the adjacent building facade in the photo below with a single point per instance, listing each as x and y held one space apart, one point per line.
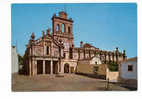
14 60
128 72
55 52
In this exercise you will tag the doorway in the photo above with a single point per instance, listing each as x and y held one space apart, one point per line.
66 68
39 66
47 67
55 67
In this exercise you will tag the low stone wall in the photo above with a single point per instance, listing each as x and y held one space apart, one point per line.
92 75
102 69
85 68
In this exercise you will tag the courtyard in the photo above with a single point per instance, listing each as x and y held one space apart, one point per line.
67 82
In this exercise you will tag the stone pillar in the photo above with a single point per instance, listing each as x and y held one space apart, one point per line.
78 54
58 67
81 44
60 27
105 57
30 67
51 64
117 54
33 64
35 67
84 54
43 66
69 69
51 50
109 57
44 49
71 28
113 57
124 55
89 54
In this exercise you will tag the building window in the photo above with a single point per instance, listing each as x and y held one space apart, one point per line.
70 53
63 27
130 67
47 50
95 63
57 28
69 30
64 55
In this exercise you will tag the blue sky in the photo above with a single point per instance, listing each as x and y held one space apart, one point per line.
104 25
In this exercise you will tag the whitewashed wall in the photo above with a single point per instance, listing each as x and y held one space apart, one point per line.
125 74
14 59
96 59
112 76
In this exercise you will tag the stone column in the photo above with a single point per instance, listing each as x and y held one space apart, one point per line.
89 54
43 66
35 67
60 27
58 66
51 50
51 68
84 54
69 69
78 54
105 57
113 57
30 67
33 64
44 48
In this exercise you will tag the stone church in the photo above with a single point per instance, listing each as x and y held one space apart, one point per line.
54 53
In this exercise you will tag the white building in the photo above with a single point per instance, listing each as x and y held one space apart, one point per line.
14 59
128 71
95 60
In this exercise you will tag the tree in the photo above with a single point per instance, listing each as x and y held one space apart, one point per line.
20 59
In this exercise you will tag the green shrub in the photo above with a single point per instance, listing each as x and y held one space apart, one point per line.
20 59
113 66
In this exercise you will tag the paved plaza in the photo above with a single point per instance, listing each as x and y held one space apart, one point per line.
68 82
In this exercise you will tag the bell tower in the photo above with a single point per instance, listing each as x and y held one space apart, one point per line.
62 29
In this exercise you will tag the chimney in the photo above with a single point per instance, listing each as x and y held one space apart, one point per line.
81 44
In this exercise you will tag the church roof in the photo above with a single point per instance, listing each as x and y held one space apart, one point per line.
87 45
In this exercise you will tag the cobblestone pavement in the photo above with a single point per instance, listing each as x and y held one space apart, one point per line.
70 82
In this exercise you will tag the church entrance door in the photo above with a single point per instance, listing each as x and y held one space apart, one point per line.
39 66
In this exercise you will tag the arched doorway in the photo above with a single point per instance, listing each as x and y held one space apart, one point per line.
66 68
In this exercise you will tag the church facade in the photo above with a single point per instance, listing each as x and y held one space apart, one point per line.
54 53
